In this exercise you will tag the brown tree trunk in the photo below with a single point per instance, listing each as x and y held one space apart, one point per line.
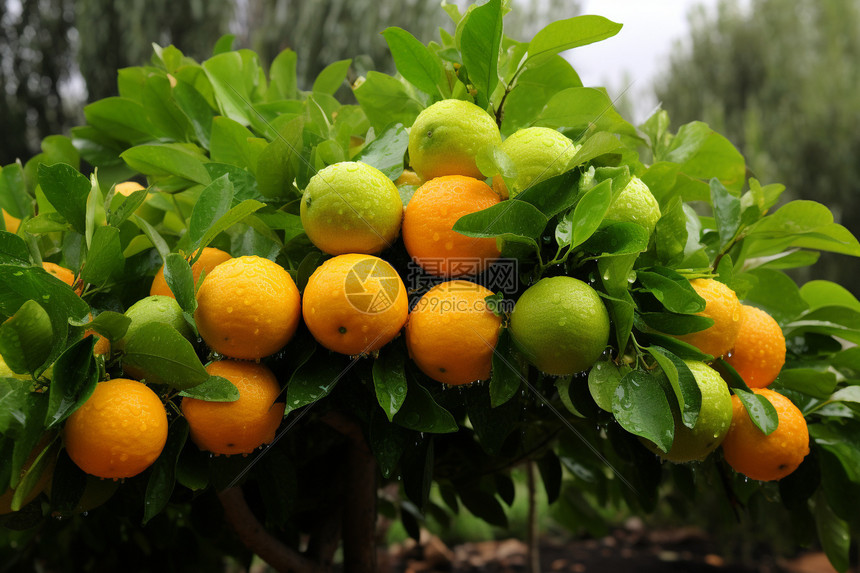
359 512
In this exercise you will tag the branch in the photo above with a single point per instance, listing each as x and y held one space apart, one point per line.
359 512
254 535
533 528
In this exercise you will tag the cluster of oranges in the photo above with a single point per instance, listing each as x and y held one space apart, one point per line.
354 303
752 343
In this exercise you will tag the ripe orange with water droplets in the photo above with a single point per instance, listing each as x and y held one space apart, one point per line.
759 350
451 333
242 426
119 431
355 304
428 226
247 307
766 457
721 305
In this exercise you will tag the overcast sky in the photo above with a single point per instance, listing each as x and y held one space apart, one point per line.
639 52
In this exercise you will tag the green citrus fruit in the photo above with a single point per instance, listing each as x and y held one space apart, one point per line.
446 137
538 153
712 425
163 309
351 207
560 325
635 204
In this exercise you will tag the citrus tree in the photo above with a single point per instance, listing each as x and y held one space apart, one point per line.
386 306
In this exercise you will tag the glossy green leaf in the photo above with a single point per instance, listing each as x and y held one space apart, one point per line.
563 35
275 165
14 198
105 259
67 190
672 289
214 202
315 378
159 354
603 379
74 379
167 159
25 338
703 154
386 152
331 77
506 376
687 391
640 406
582 110
214 389
162 478
282 75
180 280
509 219
760 410
389 379
420 412
727 212
196 110
589 212
414 61
385 101
13 250
480 42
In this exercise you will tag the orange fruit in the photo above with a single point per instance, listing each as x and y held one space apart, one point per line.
126 188
64 275
408 178
429 220
11 223
766 457
723 306
759 351
119 431
247 307
355 304
209 259
242 426
451 333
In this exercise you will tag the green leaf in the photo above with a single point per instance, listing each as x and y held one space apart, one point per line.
727 212
20 284
25 338
420 412
640 406
818 383
167 159
282 76
196 109
153 236
180 279
598 144
126 207
672 289
331 77
275 165
760 410
484 505
385 101
315 378
509 219
230 218
389 379
224 44
111 325
834 535
235 78
418 65
124 119
582 110
533 89
67 190
14 396
603 379
387 441
214 389
480 41
553 195
492 161
492 425
589 212
562 385
687 391
703 154
506 377
566 34
158 353
214 202
14 198
74 379
13 250
821 293
162 478
386 151
231 143
104 259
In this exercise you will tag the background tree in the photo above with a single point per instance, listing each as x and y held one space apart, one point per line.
788 100
56 56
